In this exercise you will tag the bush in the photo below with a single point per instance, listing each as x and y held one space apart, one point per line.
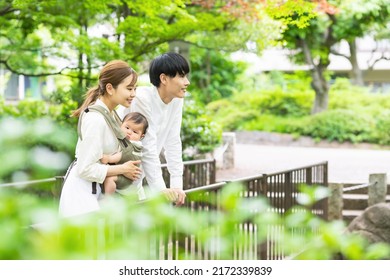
292 104
199 133
276 102
381 134
340 125
273 123
343 95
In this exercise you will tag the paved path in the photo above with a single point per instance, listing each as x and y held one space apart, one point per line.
345 165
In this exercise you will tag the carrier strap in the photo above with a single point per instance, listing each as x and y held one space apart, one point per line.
94 190
113 121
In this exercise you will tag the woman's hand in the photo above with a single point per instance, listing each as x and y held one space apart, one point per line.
132 171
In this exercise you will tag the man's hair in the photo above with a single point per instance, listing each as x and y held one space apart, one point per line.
170 64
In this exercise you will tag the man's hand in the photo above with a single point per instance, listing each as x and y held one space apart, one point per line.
175 195
180 196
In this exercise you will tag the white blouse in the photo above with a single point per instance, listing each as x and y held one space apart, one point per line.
98 139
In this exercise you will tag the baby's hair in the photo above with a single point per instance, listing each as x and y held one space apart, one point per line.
137 118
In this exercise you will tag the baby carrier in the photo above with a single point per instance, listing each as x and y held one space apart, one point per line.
129 150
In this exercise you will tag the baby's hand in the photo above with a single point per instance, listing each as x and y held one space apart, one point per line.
105 159
113 158
116 157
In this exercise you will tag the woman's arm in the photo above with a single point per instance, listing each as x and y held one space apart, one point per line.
97 135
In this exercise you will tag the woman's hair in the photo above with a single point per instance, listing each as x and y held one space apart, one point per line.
137 118
114 72
170 64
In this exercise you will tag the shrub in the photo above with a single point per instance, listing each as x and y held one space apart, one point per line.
273 123
199 133
339 125
281 103
276 102
382 131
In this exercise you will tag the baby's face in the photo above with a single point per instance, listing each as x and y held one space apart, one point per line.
133 131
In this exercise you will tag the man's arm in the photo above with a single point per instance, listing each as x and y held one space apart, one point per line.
173 148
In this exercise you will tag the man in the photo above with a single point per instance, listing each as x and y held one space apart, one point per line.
162 105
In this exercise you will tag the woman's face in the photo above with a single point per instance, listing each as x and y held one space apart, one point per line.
125 92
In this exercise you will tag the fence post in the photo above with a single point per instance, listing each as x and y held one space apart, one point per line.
335 202
377 192
229 138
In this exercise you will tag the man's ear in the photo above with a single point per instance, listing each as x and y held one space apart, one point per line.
163 78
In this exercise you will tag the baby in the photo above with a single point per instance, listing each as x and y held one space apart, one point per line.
134 125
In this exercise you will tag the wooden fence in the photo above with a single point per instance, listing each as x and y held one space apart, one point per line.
281 189
196 173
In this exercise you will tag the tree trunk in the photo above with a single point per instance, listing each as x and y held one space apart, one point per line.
208 80
319 83
321 97
356 73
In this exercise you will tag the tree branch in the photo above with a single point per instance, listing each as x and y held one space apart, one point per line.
383 57
45 74
7 9
332 51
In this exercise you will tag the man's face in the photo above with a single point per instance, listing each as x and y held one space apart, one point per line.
177 86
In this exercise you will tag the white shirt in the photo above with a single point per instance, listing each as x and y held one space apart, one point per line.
163 132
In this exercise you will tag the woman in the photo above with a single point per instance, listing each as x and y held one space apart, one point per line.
81 190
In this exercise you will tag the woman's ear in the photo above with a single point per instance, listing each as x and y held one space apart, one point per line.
109 88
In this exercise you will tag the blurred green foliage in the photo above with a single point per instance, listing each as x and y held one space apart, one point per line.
34 149
123 229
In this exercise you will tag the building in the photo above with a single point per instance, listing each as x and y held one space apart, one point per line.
373 59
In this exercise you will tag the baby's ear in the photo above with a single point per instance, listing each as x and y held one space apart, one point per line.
142 136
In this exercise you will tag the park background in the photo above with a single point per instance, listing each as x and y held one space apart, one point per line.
51 52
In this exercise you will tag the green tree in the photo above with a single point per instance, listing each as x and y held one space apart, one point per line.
214 76
355 21
313 44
